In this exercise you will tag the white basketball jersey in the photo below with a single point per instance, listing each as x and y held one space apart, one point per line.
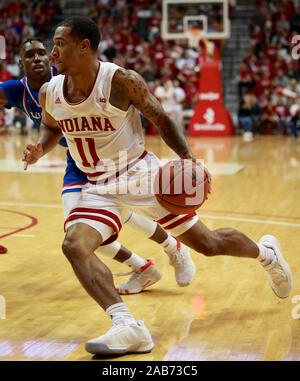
102 139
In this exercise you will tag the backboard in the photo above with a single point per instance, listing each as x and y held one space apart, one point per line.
179 16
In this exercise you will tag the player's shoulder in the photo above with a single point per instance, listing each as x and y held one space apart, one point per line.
55 81
127 76
14 84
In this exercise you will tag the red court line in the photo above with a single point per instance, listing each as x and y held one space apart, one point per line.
34 221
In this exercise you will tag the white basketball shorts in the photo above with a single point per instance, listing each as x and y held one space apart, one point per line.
106 207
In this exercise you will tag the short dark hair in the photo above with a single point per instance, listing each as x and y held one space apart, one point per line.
30 40
83 27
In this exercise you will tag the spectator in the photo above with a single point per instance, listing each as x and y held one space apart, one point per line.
148 70
291 72
269 118
245 80
283 116
245 118
281 80
295 119
5 75
27 32
283 23
171 100
295 21
13 68
179 98
190 88
256 113
294 85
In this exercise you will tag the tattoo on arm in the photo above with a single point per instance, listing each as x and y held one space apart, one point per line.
129 87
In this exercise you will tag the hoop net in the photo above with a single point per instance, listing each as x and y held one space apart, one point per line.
194 36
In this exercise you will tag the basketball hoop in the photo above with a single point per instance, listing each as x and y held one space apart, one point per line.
194 36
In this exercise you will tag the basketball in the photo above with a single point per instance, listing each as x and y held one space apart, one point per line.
181 186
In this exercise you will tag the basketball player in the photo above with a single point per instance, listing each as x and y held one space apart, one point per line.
86 90
23 94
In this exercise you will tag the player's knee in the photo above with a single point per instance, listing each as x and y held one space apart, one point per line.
72 249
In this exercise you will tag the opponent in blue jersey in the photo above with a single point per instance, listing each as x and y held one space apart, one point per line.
23 94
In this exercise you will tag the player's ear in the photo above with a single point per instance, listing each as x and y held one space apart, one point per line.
85 45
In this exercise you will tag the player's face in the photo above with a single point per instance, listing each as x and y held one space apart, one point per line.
65 50
35 61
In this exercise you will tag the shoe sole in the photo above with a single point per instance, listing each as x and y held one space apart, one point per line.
126 292
103 349
281 260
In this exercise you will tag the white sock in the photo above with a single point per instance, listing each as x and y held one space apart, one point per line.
266 255
110 251
135 262
169 245
120 315
142 224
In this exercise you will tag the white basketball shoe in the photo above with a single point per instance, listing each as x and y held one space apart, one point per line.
145 277
278 272
184 267
122 339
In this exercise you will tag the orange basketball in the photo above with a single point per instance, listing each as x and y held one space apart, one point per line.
181 186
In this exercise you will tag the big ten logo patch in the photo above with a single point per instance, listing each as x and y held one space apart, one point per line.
2 307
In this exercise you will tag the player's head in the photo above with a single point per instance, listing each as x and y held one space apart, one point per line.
34 59
75 39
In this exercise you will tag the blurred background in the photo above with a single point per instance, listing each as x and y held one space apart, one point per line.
260 78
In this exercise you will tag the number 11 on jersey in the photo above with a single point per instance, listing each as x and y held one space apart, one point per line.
91 149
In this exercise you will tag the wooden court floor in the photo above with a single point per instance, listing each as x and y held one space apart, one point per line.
229 311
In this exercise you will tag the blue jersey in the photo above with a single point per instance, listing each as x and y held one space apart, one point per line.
20 95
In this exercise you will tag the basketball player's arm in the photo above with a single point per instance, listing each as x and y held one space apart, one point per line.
128 87
49 134
3 98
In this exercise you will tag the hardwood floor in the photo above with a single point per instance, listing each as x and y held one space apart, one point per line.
229 311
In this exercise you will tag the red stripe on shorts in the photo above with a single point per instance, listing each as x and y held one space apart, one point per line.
94 218
167 218
98 211
180 221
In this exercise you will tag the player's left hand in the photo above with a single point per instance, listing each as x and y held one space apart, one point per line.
32 154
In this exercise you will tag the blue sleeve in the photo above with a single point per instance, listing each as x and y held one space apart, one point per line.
63 142
13 91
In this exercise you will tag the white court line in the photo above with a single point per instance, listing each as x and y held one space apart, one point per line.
199 215
250 220
30 205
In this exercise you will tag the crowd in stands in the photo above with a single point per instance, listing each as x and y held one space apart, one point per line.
130 37
269 75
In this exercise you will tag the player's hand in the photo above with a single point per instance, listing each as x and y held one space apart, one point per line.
209 179
32 154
